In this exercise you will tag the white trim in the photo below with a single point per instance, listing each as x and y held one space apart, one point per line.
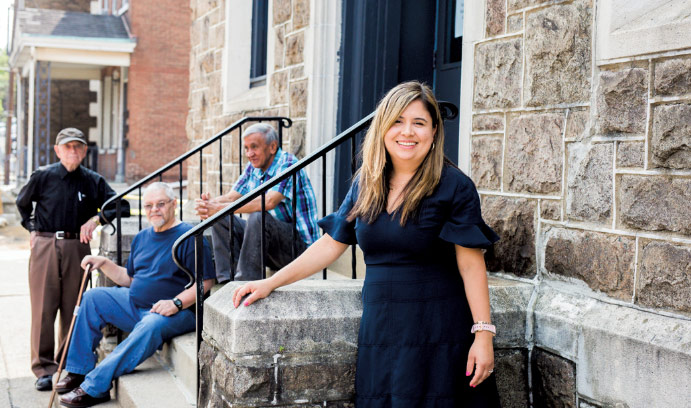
473 31
237 57
78 43
30 119
322 44
627 28
97 58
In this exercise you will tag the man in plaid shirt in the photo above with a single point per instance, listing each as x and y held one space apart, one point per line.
267 159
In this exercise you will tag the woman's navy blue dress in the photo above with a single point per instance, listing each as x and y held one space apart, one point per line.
415 331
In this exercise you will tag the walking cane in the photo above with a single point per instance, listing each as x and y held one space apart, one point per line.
87 275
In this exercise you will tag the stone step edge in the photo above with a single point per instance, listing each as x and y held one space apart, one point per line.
179 357
151 384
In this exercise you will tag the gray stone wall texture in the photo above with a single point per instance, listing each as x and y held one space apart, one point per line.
286 86
584 170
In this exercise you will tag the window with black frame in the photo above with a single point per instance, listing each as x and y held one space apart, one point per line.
260 19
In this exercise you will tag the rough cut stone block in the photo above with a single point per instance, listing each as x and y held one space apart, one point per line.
281 11
622 99
604 262
489 122
297 138
554 380
590 179
655 203
577 125
497 74
509 300
511 370
558 54
295 46
317 382
514 23
494 17
673 76
534 153
670 144
665 276
550 209
514 220
630 154
279 46
486 161
278 91
301 14
297 72
298 99
519 4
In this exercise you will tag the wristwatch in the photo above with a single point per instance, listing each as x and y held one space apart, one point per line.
178 303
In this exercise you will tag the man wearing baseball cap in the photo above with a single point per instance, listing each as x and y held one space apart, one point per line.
59 206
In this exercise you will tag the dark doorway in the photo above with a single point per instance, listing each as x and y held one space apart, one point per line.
388 42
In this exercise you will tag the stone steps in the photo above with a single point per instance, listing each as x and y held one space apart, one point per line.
167 379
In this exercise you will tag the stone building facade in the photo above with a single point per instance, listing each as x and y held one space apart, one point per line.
574 125
581 150
220 92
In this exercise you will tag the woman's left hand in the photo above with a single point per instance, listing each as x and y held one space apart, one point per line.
481 358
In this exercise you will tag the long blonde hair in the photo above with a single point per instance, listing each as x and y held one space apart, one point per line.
373 175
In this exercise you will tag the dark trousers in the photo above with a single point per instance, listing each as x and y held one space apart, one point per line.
54 278
247 246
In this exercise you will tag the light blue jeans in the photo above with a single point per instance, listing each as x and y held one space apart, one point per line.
148 332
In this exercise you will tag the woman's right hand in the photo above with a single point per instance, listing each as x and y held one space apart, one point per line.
256 290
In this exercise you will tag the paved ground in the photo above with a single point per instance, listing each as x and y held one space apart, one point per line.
16 379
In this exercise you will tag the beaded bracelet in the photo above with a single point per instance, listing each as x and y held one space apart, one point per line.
484 326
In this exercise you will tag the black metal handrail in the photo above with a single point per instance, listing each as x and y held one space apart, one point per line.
283 123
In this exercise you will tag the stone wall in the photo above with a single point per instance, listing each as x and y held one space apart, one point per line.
298 347
584 169
285 90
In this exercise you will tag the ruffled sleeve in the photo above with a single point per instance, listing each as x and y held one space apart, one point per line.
337 224
465 226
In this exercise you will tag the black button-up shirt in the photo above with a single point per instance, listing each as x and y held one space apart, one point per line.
64 200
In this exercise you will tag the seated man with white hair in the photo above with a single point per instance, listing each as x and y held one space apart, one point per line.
266 160
152 303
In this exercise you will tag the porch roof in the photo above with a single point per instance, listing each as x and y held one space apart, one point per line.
70 37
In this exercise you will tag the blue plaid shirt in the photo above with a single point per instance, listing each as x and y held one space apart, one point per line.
306 208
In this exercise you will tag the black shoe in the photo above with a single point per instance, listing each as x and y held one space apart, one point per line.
44 383
70 382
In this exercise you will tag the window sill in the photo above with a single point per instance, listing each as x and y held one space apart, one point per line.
251 99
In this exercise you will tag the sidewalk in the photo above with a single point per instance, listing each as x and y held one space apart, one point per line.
16 379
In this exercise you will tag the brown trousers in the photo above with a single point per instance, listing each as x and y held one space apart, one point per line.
54 278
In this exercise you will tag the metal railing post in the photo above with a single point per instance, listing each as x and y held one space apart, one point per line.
262 244
199 304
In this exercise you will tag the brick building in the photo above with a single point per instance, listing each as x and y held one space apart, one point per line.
573 124
116 69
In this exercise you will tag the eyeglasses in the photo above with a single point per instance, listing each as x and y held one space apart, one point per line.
159 205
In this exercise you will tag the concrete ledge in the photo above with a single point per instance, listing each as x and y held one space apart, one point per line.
623 355
308 316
